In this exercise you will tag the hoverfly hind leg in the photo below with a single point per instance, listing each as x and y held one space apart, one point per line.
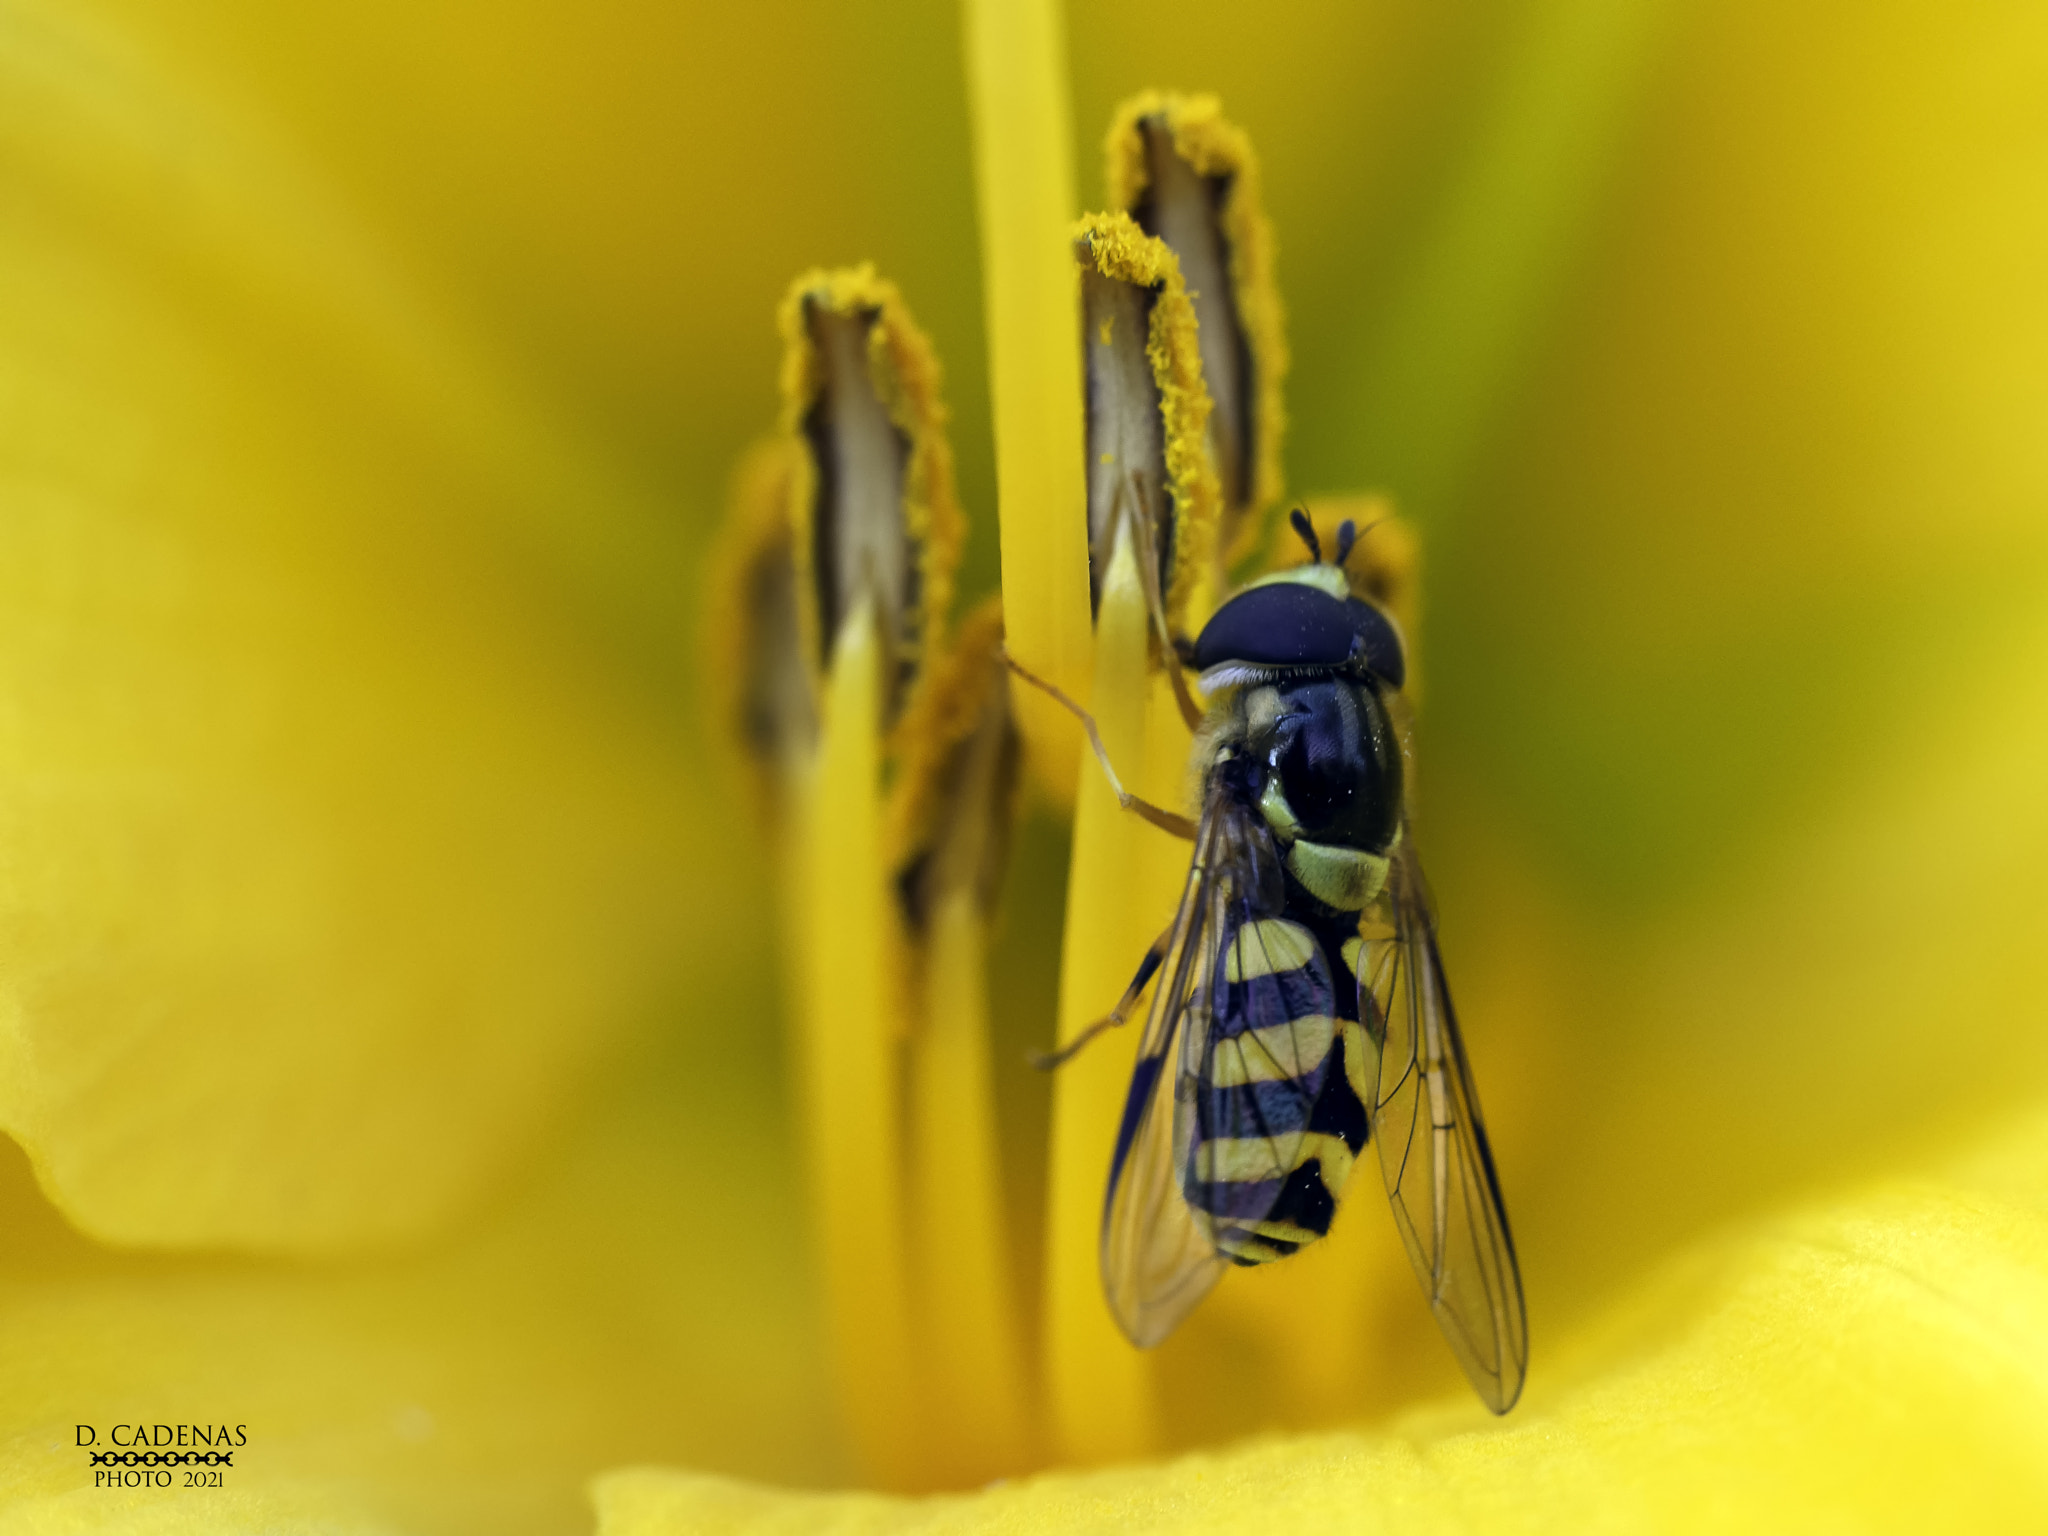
1048 1061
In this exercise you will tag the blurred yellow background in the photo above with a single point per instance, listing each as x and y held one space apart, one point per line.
372 374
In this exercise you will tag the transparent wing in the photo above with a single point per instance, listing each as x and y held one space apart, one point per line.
1156 1264
1433 1149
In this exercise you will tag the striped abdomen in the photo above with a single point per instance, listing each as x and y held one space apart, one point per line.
1278 1098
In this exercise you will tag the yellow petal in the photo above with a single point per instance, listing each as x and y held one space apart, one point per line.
333 844
171 1510
1879 1364
471 1385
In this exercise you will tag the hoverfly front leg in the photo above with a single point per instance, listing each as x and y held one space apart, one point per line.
1159 816
1047 1061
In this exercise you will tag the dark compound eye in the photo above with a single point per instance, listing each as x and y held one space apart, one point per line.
1292 624
1284 624
1381 643
1339 768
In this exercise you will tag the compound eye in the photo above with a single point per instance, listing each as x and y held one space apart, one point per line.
1286 624
1338 767
1378 641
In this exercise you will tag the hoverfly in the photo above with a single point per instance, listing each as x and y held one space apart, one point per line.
1301 1007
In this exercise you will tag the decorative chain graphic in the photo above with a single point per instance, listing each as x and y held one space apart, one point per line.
161 1455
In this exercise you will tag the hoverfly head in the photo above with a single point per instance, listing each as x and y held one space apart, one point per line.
1302 620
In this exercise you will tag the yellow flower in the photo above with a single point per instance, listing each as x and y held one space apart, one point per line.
389 983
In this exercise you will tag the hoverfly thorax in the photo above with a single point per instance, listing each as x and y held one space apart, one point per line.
1324 772
1301 671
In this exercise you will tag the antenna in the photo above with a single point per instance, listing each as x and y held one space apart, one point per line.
1347 535
1299 518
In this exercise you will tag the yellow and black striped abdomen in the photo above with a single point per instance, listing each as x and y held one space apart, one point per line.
1278 1097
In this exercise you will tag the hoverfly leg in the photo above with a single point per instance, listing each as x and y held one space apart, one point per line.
1047 1061
1174 650
1159 816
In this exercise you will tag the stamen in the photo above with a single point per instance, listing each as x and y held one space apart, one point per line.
874 506
858 542
955 794
849 1030
875 533
1180 207
1122 878
759 683
1189 176
1153 498
955 806
1126 449
1017 88
1147 410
